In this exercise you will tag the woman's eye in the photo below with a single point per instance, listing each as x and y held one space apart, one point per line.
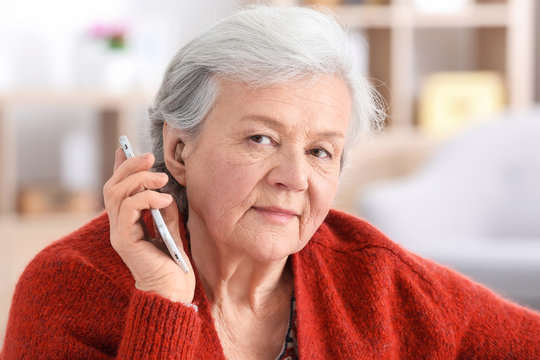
320 153
261 139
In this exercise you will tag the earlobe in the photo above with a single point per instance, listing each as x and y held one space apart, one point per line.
173 149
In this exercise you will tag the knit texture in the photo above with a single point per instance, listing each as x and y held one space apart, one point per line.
358 296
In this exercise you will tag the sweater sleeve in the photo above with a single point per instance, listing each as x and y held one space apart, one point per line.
486 325
63 308
465 319
499 329
156 328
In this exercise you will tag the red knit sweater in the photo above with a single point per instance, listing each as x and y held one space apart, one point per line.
358 296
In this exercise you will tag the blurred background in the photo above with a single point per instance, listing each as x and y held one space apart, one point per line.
454 176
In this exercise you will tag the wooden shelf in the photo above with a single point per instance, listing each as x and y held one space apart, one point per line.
85 98
396 16
503 33
496 36
365 16
116 113
479 15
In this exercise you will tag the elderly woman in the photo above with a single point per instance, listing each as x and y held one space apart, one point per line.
250 129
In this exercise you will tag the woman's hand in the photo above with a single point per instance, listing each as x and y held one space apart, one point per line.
126 194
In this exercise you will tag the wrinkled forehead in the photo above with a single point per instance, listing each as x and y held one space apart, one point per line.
323 105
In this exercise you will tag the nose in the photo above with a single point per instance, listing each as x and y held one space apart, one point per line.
291 171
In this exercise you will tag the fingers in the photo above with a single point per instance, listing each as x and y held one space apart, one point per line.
124 167
136 183
127 194
115 194
130 209
119 158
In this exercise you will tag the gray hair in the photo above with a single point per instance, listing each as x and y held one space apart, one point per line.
261 46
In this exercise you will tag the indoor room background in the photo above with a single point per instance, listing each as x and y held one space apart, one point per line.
453 176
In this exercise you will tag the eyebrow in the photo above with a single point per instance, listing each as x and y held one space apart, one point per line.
279 125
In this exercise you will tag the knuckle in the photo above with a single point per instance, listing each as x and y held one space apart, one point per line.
148 180
151 180
127 204
106 188
119 236
110 195
115 236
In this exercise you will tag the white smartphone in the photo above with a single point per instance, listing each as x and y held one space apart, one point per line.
158 219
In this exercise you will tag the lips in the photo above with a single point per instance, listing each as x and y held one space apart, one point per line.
276 214
276 210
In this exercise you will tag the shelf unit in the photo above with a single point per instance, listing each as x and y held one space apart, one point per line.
502 34
116 116
503 31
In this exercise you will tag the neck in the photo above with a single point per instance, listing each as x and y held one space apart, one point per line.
234 279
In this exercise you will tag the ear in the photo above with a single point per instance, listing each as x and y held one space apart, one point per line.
173 152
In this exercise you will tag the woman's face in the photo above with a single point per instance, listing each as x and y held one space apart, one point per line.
263 173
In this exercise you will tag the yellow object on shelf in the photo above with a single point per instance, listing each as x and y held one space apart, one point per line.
453 101
51 198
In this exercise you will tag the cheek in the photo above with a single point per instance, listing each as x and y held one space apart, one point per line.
323 190
236 182
321 195
224 190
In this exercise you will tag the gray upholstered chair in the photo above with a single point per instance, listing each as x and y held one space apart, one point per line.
475 206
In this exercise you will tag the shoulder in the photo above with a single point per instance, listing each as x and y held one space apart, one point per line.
357 254
83 255
348 234
354 238
373 284
75 284
355 241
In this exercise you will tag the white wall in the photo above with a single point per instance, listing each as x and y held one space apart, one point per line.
537 57
45 44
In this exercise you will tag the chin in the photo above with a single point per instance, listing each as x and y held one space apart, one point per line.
272 249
